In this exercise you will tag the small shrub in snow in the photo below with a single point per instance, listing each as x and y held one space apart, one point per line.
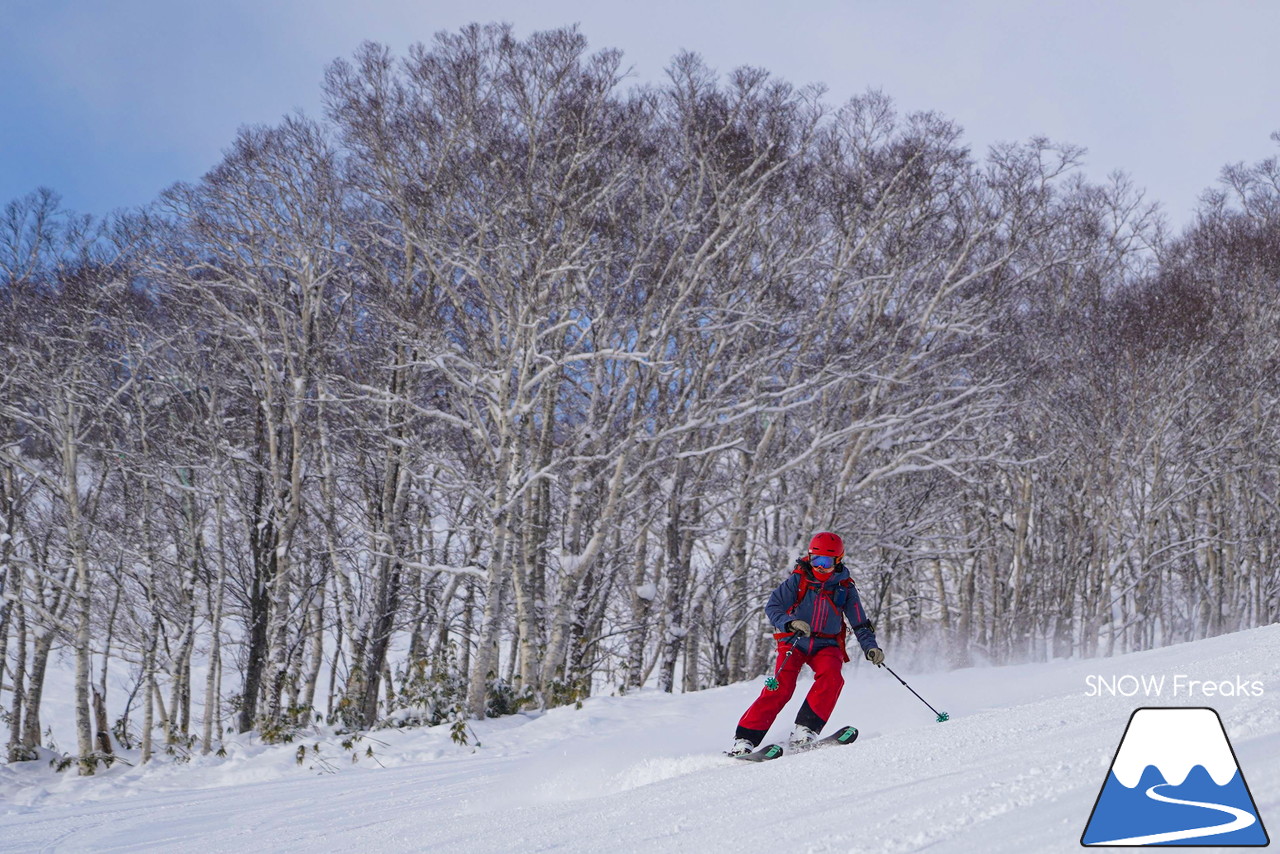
65 761
568 692
291 724
458 731
180 748
502 698
20 753
123 737
430 691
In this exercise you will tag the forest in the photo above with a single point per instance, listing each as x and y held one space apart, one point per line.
508 380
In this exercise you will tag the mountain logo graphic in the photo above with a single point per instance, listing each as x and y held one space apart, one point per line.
1175 781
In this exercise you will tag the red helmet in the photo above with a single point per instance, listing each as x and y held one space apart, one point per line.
825 551
827 543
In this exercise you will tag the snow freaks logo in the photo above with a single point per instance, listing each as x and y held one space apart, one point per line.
1175 781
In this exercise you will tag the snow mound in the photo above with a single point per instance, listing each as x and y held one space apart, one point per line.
650 771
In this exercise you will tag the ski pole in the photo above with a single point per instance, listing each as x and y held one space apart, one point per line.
942 716
771 684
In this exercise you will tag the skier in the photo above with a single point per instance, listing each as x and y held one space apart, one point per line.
809 609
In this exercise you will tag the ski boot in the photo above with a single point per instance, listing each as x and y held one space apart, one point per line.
801 737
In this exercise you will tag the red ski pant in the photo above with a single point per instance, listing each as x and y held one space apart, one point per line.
827 682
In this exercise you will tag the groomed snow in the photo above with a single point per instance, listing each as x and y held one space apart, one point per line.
1017 769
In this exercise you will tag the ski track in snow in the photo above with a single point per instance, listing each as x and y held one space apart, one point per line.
1017 769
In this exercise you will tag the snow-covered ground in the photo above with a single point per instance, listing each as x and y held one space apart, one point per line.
1016 769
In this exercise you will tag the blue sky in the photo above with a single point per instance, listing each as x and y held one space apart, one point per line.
108 102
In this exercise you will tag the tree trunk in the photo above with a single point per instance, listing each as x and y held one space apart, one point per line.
643 591
10 573
103 724
679 552
84 598
484 664
17 749
263 553
388 598
35 690
148 691
316 642
212 699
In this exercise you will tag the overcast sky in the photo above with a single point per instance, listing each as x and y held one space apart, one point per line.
109 102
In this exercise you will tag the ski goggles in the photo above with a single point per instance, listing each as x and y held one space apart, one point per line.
822 561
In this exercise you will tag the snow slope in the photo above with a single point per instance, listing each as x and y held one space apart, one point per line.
1017 769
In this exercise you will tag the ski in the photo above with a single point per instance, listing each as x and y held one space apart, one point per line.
763 754
844 735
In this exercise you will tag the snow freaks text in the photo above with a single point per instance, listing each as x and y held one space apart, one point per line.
1179 685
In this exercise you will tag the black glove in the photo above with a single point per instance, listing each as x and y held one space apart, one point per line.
875 655
800 627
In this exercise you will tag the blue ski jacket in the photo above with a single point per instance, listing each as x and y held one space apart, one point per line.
824 607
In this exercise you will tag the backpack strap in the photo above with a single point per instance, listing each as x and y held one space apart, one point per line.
802 589
846 584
